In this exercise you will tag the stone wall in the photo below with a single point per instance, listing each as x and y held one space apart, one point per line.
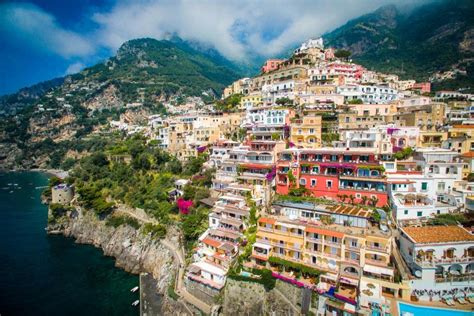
202 292
248 298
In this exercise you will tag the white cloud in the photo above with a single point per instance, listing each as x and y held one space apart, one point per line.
74 68
35 27
236 28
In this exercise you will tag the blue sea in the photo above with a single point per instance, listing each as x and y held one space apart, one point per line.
51 275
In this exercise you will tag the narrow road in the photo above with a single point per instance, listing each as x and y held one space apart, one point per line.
180 288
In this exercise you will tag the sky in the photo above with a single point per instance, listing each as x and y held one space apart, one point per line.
42 39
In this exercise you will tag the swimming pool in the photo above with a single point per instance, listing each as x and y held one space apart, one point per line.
431 311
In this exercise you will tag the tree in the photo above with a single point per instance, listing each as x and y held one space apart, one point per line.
352 198
364 200
373 201
355 101
342 53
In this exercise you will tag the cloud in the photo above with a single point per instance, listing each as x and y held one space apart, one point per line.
32 26
74 68
238 29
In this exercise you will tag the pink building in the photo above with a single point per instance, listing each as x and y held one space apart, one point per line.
424 87
271 64
329 54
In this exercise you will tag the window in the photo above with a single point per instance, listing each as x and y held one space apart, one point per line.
424 186
313 182
419 213
334 239
329 184
405 212
441 186
303 181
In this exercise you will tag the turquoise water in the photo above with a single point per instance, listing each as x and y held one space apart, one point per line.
431 311
51 275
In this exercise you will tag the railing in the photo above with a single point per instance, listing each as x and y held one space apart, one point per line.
332 243
266 229
434 261
314 240
376 248
376 262
452 278
357 247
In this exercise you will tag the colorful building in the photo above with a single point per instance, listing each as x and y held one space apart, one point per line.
338 174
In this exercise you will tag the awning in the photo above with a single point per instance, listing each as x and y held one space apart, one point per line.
329 276
262 245
378 270
349 281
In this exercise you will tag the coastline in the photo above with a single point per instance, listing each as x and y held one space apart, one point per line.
50 172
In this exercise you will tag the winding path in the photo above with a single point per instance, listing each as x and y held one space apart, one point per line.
180 288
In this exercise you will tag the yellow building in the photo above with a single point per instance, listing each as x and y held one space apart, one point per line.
350 253
431 138
306 131
427 117
460 138
250 101
353 120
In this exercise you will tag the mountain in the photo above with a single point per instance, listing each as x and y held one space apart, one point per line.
11 103
420 43
57 120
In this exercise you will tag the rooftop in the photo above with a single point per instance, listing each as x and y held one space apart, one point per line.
437 234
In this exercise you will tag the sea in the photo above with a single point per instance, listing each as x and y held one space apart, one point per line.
42 274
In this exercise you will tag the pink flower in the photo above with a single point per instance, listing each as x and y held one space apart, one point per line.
184 205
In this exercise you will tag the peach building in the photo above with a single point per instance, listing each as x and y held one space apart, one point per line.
271 64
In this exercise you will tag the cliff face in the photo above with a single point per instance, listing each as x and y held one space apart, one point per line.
133 251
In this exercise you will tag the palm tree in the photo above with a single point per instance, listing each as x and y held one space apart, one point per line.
352 198
374 200
364 200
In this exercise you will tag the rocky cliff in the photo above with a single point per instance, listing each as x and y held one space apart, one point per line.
134 252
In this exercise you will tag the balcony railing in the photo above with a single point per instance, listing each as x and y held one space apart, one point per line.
435 261
452 278
314 240
376 262
376 248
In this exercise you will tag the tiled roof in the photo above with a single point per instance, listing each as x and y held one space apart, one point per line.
437 234
211 242
267 220
317 230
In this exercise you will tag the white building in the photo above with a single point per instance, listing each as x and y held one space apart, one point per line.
311 43
370 94
439 257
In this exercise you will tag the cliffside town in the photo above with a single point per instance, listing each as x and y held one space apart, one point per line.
316 187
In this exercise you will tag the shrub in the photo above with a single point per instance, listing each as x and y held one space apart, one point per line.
155 230
305 270
266 278
117 221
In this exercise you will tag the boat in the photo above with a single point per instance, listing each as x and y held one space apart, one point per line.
136 303
134 289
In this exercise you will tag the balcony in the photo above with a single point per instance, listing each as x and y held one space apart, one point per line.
265 229
380 263
332 243
314 240
376 248
468 278
437 261
352 247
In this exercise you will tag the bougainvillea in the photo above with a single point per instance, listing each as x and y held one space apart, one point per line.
184 205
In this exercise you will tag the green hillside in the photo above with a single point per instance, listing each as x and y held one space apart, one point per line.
432 38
